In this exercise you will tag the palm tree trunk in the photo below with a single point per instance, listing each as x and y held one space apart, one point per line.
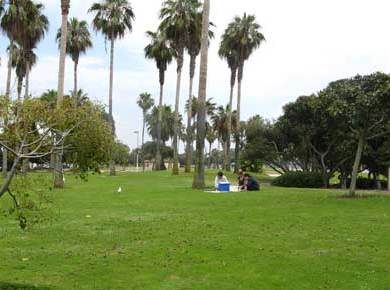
199 176
75 88
175 168
143 139
19 89
229 118
27 88
238 136
160 105
9 69
210 160
7 94
358 157
112 162
189 117
58 170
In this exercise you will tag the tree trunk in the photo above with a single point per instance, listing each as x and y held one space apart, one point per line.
58 171
199 176
75 88
388 179
226 159
6 183
143 139
5 162
9 69
61 72
358 157
189 117
175 168
229 117
19 89
238 136
27 88
160 105
112 162
210 159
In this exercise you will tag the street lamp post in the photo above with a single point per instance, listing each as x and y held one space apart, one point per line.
137 132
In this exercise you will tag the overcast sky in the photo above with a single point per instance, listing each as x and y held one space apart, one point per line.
309 43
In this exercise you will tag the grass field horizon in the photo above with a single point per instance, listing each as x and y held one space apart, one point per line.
158 233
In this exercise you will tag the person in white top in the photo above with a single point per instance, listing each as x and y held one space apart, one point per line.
220 178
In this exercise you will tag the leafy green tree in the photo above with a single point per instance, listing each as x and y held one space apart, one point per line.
363 102
77 43
145 102
162 54
176 19
113 18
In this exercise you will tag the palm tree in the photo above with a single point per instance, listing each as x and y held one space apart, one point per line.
37 26
21 59
162 54
199 176
243 39
226 51
145 102
113 18
167 121
193 46
57 156
211 136
77 43
177 16
13 24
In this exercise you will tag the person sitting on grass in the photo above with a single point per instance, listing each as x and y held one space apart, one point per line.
241 179
220 178
251 184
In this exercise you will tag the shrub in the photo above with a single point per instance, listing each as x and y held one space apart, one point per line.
299 179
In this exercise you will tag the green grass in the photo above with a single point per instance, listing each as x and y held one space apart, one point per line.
159 234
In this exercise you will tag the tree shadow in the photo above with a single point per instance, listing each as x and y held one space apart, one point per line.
13 286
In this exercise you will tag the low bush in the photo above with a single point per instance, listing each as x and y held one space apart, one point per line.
299 179
366 183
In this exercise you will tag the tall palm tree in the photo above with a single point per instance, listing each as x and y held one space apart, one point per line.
37 26
193 46
199 176
21 59
244 37
159 50
77 43
176 18
113 18
13 24
167 121
57 156
145 102
226 51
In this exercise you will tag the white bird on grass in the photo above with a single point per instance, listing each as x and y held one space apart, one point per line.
119 189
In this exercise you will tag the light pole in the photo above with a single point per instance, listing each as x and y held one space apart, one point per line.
137 132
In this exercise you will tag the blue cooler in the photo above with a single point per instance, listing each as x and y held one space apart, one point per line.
224 187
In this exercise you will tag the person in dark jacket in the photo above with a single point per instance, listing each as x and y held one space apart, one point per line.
251 184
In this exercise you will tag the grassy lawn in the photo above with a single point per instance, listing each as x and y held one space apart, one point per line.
159 234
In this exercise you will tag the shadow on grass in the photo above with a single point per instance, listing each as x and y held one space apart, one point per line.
13 286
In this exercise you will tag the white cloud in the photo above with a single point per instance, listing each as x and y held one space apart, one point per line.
309 43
